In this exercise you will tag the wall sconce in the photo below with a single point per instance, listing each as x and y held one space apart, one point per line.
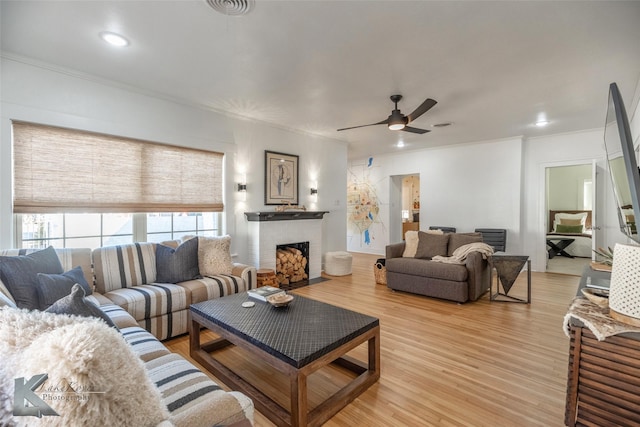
242 188
314 191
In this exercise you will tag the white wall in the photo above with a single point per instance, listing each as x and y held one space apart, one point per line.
493 184
565 187
322 162
497 184
465 186
562 150
61 98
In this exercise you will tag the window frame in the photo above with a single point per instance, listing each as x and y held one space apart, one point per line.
138 234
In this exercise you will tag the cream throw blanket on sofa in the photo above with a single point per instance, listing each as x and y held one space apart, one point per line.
460 255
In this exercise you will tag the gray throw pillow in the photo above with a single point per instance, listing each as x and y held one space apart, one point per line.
430 245
76 304
459 239
55 286
179 264
20 275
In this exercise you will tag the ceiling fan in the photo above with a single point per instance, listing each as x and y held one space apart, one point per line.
398 121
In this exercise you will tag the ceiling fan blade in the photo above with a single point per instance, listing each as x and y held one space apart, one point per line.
423 108
384 122
414 130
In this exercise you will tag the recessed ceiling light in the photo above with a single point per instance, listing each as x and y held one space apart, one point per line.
114 39
400 144
542 123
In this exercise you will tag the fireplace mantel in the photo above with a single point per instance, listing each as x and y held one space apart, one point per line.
284 216
267 230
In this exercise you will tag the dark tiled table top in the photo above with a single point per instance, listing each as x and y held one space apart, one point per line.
297 334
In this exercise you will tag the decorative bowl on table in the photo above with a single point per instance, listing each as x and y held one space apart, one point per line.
280 300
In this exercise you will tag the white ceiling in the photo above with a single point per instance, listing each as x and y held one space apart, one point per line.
316 66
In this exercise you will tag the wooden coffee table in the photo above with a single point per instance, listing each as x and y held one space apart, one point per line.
296 340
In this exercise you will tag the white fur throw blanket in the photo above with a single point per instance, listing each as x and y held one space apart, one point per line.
94 378
459 256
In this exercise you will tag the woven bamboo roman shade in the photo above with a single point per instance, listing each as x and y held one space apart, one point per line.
63 170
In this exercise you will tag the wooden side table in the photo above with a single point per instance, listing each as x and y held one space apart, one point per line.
507 268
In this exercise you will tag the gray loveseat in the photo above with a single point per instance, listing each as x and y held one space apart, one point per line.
418 274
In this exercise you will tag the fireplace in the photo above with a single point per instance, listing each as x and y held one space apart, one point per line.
292 264
267 230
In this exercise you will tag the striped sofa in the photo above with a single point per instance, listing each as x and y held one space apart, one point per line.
191 397
125 275
147 312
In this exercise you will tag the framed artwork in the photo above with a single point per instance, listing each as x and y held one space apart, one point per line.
280 178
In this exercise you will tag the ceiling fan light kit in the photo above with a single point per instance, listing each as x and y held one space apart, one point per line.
398 121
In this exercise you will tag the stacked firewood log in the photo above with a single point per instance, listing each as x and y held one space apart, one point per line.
267 277
290 266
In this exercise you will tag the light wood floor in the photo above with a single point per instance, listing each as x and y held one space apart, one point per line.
443 364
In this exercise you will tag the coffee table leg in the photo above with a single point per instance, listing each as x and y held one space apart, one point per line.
299 403
374 353
194 334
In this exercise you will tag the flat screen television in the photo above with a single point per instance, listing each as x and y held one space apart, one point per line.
623 166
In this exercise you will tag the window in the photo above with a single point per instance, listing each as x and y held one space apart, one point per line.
89 230
171 226
75 230
81 189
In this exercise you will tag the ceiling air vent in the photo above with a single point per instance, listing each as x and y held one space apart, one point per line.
232 7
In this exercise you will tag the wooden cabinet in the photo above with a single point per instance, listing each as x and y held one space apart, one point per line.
409 226
603 386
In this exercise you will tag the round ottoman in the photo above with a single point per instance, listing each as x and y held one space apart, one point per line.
337 263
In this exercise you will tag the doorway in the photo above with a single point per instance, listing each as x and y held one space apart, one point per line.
569 217
405 205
